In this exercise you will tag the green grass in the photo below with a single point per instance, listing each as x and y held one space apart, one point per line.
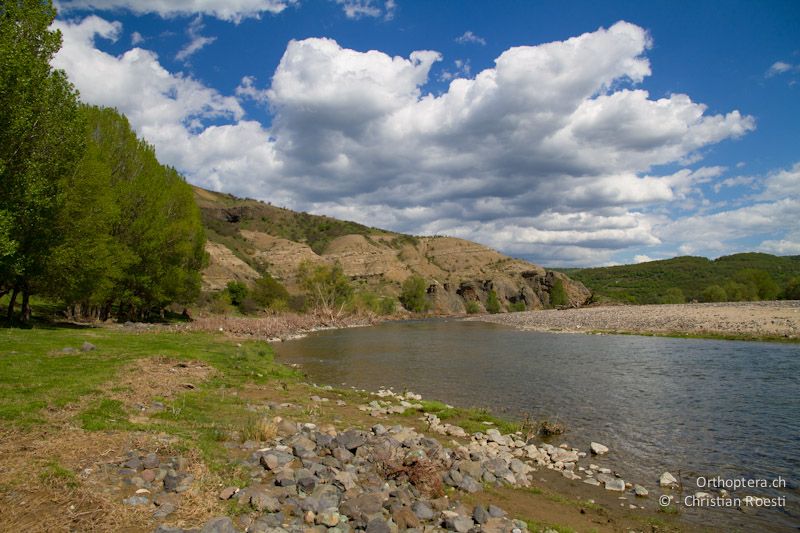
471 419
35 374
536 526
54 474
105 414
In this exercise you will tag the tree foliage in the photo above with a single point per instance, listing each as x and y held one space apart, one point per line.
269 292
558 294
40 143
413 294
492 302
326 286
132 239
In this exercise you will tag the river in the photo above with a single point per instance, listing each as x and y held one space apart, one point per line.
707 408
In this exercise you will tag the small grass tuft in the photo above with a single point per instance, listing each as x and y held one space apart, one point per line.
55 476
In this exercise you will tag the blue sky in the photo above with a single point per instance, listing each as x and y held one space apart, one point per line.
567 133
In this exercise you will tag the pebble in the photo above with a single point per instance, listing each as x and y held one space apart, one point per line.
667 480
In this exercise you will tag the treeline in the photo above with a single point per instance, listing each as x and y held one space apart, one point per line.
738 277
88 216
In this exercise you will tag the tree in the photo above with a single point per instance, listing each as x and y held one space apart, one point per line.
413 294
40 144
269 292
673 295
237 291
792 290
492 302
327 287
558 294
714 293
763 284
131 236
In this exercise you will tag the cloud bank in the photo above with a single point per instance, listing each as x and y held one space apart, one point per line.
549 154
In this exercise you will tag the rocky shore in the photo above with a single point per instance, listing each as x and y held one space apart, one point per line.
777 319
317 478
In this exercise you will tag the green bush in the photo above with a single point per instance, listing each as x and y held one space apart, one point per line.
673 296
473 307
492 303
558 294
763 285
741 292
517 307
792 290
327 288
714 293
237 292
269 292
413 294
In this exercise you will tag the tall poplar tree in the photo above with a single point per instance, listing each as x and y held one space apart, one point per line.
41 140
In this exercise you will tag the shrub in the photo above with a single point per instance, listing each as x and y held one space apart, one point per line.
267 291
492 303
237 292
792 290
673 296
327 288
761 282
413 294
517 307
558 294
740 292
714 293
473 307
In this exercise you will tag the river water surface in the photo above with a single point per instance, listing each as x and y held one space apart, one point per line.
708 408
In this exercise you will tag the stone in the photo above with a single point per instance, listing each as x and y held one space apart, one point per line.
221 524
496 512
171 482
469 485
598 449
378 525
351 439
136 500
151 461
168 529
307 484
422 510
134 463
261 501
461 524
287 428
591 481
471 468
148 475
365 504
328 517
605 478
667 480
405 518
228 493
88 347
640 491
164 511
615 484
479 515
564 456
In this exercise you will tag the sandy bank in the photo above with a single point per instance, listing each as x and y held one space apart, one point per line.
740 319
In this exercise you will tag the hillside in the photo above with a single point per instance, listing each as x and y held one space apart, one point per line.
649 282
248 237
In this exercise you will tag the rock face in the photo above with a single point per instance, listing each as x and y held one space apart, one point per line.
458 271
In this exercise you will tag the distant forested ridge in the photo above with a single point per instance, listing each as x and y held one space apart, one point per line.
738 277
88 216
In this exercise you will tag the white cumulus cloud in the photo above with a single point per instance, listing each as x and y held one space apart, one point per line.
230 10
548 154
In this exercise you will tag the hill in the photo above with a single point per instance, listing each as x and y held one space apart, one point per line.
651 282
247 238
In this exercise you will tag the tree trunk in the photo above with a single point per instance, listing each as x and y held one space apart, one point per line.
11 303
26 305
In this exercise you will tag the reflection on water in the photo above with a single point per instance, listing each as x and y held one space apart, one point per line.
701 407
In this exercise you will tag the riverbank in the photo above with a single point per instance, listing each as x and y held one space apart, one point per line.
107 429
773 321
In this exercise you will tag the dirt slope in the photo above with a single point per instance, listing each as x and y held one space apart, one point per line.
247 237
